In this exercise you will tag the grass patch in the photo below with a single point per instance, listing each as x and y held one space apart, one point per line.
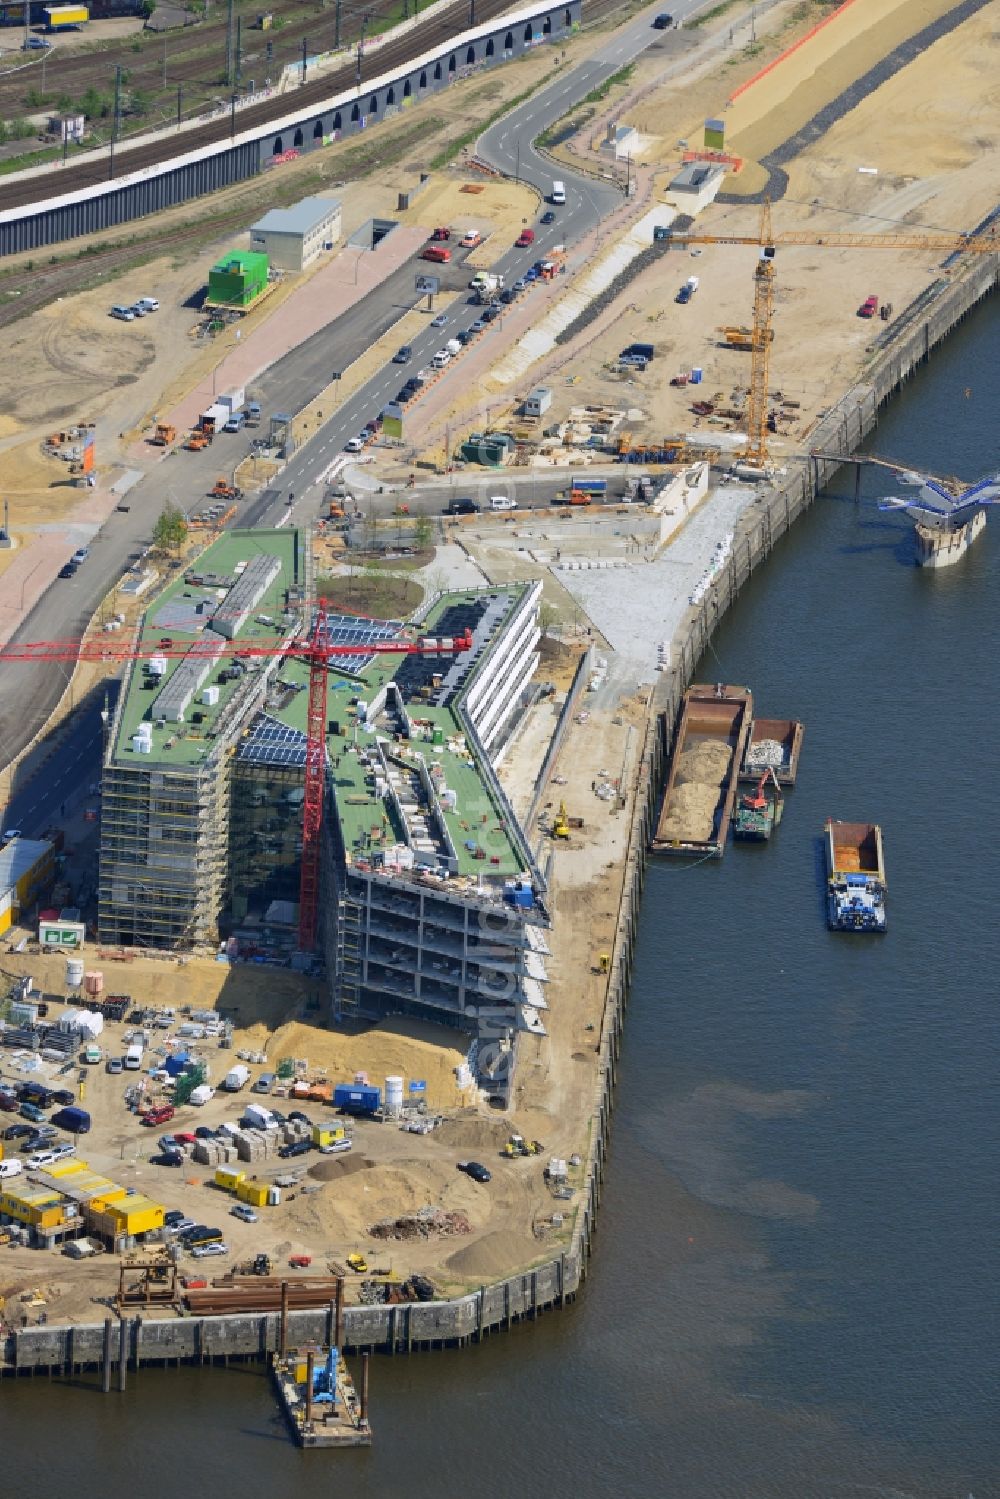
714 14
374 591
30 159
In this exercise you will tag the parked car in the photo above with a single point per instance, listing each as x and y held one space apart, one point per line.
336 1147
17 1131
167 1158
244 1212
8 1102
477 326
185 1137
63 1097
40 1159
476 1170
115 1064
300 1147
204 1132
173 1218
520 284
63 1149
36 44
303 1118
355 445
181 1225
160 1115
462 507
204 1251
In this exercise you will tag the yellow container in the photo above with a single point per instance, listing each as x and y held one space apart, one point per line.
327 1135
228 1178
65 1168
136 1214
252 1193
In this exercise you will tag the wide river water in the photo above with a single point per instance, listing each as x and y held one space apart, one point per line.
794 1289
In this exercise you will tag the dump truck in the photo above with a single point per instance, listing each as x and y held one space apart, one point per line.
164 435
198 440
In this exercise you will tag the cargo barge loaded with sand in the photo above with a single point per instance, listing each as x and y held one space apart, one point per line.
855 886
711 745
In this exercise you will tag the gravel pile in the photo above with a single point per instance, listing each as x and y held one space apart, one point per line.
766 754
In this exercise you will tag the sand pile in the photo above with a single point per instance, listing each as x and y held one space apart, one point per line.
701 771
339 1167
473 1133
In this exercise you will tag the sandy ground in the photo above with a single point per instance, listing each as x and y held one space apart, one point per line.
388 1171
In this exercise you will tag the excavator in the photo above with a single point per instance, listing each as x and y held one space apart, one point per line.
758 812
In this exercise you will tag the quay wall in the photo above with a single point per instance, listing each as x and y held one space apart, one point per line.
145 1339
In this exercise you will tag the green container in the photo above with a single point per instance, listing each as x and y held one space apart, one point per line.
438 736
238 279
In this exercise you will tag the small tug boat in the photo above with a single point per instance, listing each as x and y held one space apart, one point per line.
758 812
855 886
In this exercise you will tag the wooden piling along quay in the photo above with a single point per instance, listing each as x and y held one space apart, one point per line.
907 344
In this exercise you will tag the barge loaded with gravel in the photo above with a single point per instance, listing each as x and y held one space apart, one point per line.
774 744
710 748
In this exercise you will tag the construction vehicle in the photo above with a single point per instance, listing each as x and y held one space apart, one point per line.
223 490
300 1261
259 1265
560 825
315 650
358 1263
758 812
755 454
603 962
740 338
164 435
198 440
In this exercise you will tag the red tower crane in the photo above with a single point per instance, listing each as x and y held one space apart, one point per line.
315 650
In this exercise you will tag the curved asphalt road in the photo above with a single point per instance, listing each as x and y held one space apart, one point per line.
28 695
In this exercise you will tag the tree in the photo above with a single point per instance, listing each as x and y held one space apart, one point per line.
423 532
548 617
170 531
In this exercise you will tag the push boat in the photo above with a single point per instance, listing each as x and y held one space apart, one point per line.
855 885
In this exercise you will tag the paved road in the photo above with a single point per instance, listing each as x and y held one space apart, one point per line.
28 694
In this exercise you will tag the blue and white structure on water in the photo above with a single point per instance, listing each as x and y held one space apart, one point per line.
947 518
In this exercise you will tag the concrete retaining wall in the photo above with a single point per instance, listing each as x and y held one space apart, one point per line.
552 1283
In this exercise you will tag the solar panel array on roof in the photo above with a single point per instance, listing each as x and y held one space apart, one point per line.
348 629
417 672
173 699
247 592
272 743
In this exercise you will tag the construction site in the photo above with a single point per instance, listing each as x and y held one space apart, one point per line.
401 849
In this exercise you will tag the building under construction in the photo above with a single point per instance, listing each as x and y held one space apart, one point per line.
430 901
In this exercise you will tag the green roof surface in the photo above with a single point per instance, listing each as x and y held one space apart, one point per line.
188 744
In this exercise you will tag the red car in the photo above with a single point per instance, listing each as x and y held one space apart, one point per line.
525 238
184 1137
437 253
161 1115
441 234
869 307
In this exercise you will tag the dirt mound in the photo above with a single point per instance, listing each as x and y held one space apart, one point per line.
340 1166
474 1134
491 1256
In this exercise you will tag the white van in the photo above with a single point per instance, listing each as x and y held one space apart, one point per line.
148 304
441 359
124 313
453 347
558 193
502 502
10 1168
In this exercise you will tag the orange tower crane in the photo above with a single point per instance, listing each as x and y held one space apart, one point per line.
763 291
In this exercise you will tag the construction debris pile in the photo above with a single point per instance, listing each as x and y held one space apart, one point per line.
701 771
425 1223
390 1293
766 754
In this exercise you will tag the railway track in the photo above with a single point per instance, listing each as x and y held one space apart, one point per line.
195 55
21 193
47 282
